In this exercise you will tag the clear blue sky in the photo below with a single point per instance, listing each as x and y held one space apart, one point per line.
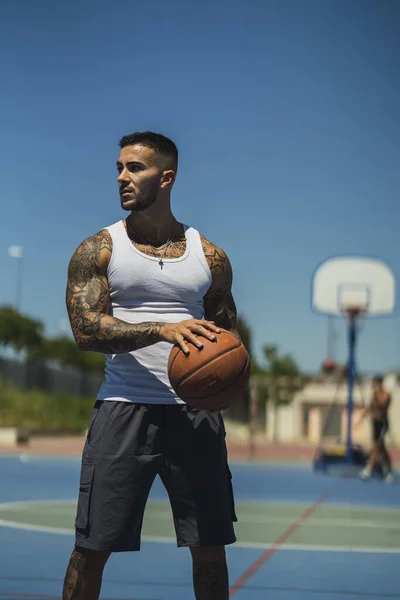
286 115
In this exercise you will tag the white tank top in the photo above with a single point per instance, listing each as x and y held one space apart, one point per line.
141 291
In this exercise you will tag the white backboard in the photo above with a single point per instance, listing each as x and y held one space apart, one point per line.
353 282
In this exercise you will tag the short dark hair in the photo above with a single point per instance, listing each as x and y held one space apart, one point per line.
378 379
161 144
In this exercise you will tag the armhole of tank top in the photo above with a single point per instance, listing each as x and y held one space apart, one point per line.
197 246
111 231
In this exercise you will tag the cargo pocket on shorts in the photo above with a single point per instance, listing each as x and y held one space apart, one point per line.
232 497
85 493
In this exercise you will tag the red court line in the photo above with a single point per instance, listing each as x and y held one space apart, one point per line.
256 566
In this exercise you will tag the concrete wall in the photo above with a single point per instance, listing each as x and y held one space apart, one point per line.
281 425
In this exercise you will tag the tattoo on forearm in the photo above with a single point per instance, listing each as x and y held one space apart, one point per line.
88 299
101 333
210 581
219 305
73 582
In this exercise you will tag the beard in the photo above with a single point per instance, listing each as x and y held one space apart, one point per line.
140 200
143 201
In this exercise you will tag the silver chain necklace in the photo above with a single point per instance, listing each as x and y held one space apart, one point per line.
154 249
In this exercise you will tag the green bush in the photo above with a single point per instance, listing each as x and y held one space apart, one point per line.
37 410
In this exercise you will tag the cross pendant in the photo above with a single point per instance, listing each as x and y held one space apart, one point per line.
161 263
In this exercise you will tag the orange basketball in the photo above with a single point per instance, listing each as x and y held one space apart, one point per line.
210 378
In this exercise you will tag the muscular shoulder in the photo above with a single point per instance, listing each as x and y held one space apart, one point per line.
92 255
219 305
217 260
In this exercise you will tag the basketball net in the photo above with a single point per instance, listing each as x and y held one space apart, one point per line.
354 315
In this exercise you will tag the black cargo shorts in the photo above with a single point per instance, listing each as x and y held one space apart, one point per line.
126 447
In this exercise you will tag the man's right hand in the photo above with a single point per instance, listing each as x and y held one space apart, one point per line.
187 331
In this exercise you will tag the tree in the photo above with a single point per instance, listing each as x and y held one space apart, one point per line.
19 331
65 351
239 410
244 333
279 366
22 333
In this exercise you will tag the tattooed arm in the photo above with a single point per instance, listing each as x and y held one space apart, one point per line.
219 305
88 299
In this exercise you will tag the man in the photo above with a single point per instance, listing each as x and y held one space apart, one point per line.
378 411
135 289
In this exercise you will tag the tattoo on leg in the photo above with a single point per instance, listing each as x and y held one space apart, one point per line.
73 582
210 580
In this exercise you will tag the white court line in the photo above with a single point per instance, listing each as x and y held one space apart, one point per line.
39 528
164 509
29 503
239 544
313 521
163 503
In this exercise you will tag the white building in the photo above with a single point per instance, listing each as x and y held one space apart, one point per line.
320 410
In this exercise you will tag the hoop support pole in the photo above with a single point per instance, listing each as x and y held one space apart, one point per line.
351 369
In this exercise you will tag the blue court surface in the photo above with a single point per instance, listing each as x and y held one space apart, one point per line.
301 536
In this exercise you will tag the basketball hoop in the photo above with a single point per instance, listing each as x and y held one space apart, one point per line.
354 313
353 287
350 286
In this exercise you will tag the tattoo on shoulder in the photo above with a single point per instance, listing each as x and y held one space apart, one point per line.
88 299
88 257
216 258
87 287
219 304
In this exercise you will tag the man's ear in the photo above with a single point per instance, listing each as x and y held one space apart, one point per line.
168 179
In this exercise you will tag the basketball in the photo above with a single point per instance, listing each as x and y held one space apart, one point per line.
328 366
210 378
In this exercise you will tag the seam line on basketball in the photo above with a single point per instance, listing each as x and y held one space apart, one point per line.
227 386
207 362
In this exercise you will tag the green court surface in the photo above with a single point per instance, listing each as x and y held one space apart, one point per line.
259 523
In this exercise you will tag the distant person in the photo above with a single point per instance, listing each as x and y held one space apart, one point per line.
134 290
377 410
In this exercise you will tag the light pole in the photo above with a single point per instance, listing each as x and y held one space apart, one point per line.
18 253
